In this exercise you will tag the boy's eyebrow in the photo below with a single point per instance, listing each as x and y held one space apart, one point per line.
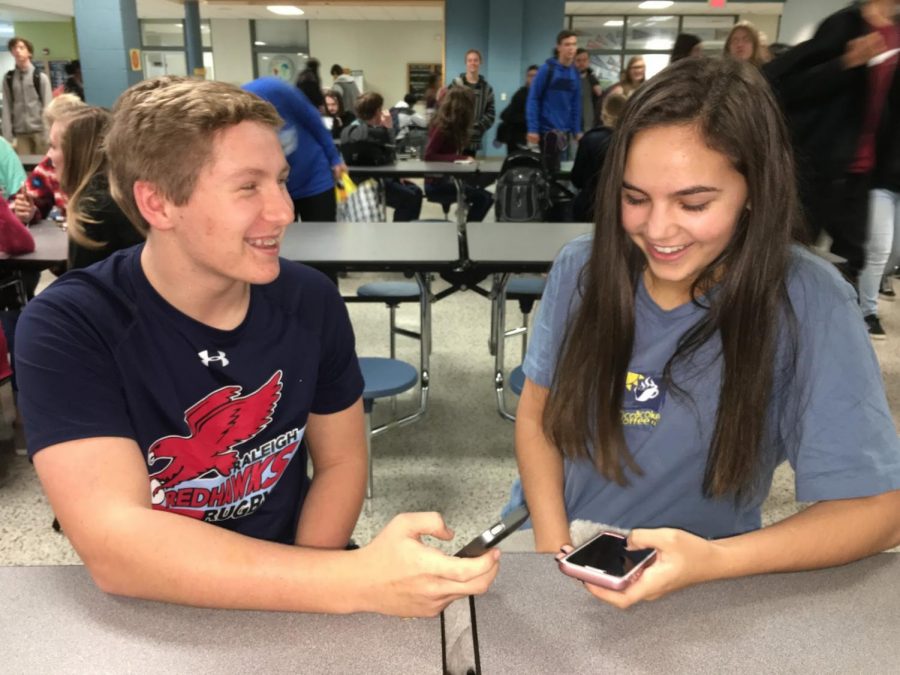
254 172
685 192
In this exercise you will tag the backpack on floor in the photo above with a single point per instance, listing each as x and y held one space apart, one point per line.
523 189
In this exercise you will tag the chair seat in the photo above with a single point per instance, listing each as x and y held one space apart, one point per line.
517 380
386 377
397 290
525 286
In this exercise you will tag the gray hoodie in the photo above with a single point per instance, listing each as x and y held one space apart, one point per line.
346 88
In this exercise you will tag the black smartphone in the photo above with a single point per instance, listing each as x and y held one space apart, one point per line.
494 534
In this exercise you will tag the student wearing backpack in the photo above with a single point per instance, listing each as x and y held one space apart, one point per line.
369 141
26 92
553 110
484 99
513 125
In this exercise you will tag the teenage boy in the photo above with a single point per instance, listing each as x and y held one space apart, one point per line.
591 91
345 87
26 92
484 99
172 391
553 110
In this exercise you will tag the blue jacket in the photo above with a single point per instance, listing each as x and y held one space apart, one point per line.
554 99
307 144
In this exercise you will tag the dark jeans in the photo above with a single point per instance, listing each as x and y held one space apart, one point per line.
554 147
404 197
478 199
840 207
320 208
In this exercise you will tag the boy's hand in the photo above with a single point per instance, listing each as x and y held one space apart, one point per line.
408 578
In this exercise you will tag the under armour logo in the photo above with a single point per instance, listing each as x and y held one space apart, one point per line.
207 359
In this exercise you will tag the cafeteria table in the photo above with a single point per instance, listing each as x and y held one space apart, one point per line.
51 247
415 248
532 620
839 620
417 168
513 248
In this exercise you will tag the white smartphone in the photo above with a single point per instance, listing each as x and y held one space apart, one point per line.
494 534
604 561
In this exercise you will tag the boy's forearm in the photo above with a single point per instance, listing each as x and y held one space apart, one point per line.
332 506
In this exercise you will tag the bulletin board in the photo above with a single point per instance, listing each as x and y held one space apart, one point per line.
417 75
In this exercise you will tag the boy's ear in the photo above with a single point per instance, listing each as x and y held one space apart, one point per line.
153 205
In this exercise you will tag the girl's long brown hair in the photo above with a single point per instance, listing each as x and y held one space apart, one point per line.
83 158
734 110
455 116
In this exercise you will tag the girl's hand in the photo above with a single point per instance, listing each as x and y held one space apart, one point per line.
682 560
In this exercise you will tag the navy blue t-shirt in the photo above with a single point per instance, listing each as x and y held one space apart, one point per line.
218 414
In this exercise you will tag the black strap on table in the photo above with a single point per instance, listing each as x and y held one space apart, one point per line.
476 652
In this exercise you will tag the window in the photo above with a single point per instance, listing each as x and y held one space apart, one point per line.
613 39
280 47
162 48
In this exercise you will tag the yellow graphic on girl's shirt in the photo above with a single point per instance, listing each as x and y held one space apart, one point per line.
644 398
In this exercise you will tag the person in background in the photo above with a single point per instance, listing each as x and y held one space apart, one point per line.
484 114
369 141
410 127
513 122
345 86
632 77
309 82
841 95
334 109
26 92
686 45
553 110
201 361
448 136
883 241
12 173
744 43
74 83
690 346
590 157
432 86
95 223
42 192
591 91
314 160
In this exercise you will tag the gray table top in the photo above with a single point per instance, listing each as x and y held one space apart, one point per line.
55 620
373 246
841 620
520 246
51 247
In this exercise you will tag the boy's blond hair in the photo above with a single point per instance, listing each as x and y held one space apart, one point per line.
163 131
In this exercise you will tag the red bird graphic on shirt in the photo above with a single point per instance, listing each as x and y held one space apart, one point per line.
216 424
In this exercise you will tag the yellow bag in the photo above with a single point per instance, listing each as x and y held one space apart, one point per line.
343 188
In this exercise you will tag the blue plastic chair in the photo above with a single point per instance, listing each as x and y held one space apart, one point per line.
517 380
383 377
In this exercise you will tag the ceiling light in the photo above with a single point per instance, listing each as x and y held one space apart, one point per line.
289 10
260 43
654 4
614 22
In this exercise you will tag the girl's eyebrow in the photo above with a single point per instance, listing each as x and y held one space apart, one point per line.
693 190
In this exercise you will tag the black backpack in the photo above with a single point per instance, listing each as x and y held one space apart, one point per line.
523 189
35 79
359 147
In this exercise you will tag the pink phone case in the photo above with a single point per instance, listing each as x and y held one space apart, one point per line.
599 577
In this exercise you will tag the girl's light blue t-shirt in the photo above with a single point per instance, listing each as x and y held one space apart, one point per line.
833 421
